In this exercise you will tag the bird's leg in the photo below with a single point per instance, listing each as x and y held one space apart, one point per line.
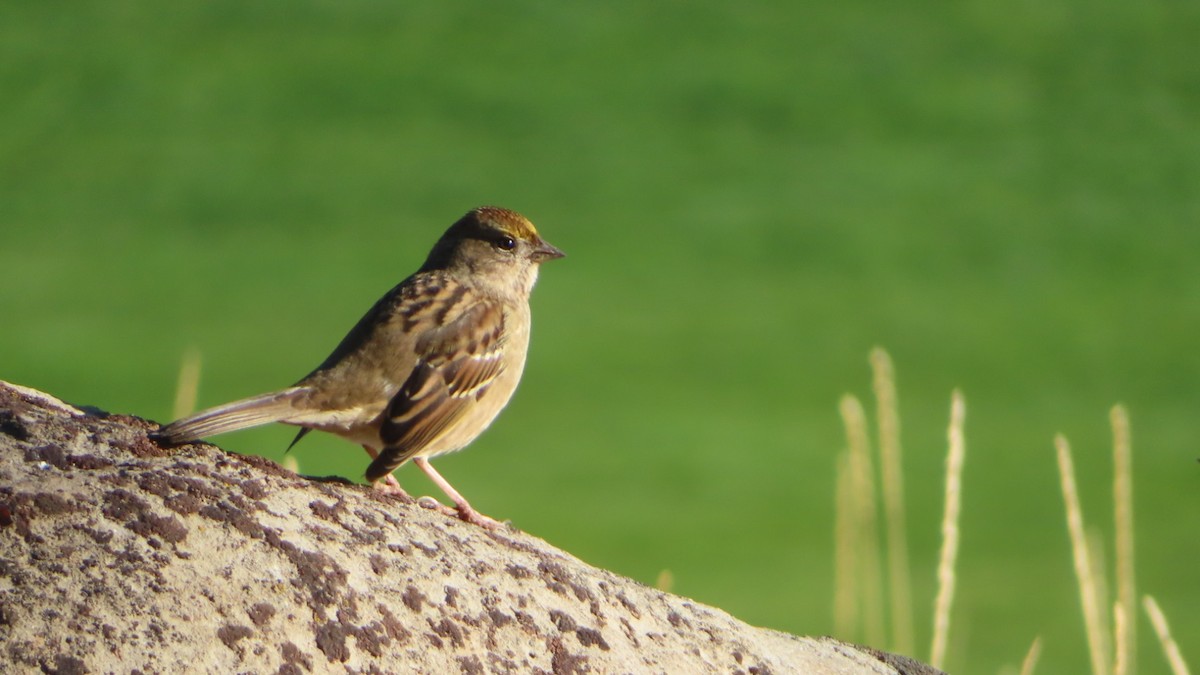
464 508
389 485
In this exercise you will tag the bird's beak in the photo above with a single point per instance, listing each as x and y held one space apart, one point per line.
544 251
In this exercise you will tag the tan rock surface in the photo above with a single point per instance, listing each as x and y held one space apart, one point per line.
117 555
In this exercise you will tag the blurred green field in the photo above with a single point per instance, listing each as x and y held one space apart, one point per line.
1005 196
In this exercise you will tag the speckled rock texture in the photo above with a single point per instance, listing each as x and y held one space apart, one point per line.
118 556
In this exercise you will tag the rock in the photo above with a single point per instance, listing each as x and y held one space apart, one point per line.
119 555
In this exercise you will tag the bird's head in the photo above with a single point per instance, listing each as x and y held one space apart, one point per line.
493 246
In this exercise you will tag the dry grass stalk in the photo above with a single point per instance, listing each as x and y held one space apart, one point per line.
1125 632
866 541
290 463
949 554
665 581
1096 544
188 384
845 559
1031 657
1120 631
1088 590
1169 647
892 477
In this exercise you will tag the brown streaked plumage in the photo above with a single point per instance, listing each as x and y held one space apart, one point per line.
428 367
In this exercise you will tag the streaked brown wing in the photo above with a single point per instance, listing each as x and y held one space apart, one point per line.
455 365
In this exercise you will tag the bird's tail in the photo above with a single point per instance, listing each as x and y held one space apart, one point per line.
248 412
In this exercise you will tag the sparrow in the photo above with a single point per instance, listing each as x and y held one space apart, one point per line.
428 367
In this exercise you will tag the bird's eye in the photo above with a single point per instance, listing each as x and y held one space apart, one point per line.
506 243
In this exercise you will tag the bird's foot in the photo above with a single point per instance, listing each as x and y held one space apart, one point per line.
391 486
463 510
432 504
470 515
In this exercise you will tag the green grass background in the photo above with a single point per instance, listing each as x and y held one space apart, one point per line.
1004 195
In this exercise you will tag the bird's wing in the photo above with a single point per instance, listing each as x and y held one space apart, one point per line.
456 363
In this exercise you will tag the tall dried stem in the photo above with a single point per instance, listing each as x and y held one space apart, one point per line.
1121 664
188 384
1125 631
1169 646
949 555
1031 657
892 477
866 544
845 552
1088 591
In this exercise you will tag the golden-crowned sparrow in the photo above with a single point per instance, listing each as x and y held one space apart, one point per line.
429 366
